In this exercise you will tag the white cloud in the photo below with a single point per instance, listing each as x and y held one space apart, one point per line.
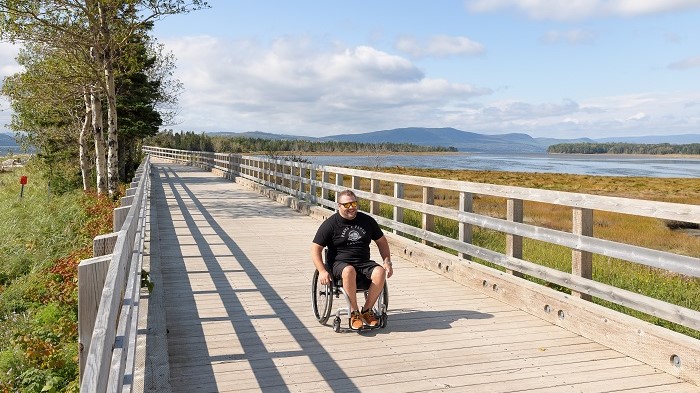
295 86
691 62
577 36
638 116
580 9
8 66
662 113
439 46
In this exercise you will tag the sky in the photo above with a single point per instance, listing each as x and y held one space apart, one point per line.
548 68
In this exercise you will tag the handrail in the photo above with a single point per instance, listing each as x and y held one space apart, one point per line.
301 180
113 340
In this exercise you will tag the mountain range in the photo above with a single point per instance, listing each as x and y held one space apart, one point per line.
462 140
7 140
468 141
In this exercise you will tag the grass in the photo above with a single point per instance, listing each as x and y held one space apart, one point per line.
641 231
45 235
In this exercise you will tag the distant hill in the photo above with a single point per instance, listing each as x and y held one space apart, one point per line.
7 140
462 140
262 135
466 141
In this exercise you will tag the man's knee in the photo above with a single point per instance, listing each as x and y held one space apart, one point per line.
378 274
349 272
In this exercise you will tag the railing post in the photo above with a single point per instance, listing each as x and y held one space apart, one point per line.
104 244
466 204
398 211
292 183
302 182
582 261
428 220
279 175
374 189
514 243
119 216
91 280
338 182
324 189
312 187
355 182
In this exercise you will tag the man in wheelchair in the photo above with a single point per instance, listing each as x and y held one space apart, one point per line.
347 234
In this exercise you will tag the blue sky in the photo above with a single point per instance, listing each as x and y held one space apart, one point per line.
564 69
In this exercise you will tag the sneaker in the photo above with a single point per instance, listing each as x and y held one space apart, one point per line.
369 318
355 320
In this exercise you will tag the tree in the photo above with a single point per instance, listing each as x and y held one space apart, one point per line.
49 105
102 28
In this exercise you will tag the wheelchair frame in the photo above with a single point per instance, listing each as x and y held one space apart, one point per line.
322 302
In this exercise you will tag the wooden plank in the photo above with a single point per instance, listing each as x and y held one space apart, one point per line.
514 243
119 217
104 244
91 279
582 261
466 204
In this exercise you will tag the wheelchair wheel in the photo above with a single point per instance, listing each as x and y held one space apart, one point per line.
321 298
336 325
385 298
382 321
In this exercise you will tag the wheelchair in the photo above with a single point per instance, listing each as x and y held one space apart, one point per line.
322 300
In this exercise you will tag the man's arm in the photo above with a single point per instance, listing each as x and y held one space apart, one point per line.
383 245
317 258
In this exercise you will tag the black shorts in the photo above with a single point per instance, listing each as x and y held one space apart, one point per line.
363 268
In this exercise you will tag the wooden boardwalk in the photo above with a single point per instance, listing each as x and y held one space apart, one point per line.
236 277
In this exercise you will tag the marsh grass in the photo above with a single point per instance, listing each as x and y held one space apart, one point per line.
629 229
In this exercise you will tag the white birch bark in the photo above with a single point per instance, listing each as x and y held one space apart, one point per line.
107 64
85 129
100 163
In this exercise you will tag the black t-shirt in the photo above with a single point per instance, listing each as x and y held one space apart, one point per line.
348 240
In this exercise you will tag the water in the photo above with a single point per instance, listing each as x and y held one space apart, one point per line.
6 150
581 164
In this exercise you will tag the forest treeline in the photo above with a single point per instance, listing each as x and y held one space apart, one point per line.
188 140
624 148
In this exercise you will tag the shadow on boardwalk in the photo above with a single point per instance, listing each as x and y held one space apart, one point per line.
189 323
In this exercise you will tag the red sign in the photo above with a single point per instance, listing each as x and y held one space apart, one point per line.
23 180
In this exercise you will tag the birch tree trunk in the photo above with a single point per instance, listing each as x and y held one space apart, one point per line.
107 64
84 161
100 164
112 138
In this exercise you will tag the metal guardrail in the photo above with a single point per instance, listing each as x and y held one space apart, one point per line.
108 348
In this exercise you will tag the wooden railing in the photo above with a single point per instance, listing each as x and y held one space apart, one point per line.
108 295
311 183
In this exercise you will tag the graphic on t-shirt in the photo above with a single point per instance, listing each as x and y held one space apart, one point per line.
354 235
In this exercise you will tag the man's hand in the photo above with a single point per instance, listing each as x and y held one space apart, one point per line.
325 277
389 269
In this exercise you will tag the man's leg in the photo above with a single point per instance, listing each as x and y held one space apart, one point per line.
350 286
378 279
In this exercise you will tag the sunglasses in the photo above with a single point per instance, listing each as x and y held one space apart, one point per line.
348 205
